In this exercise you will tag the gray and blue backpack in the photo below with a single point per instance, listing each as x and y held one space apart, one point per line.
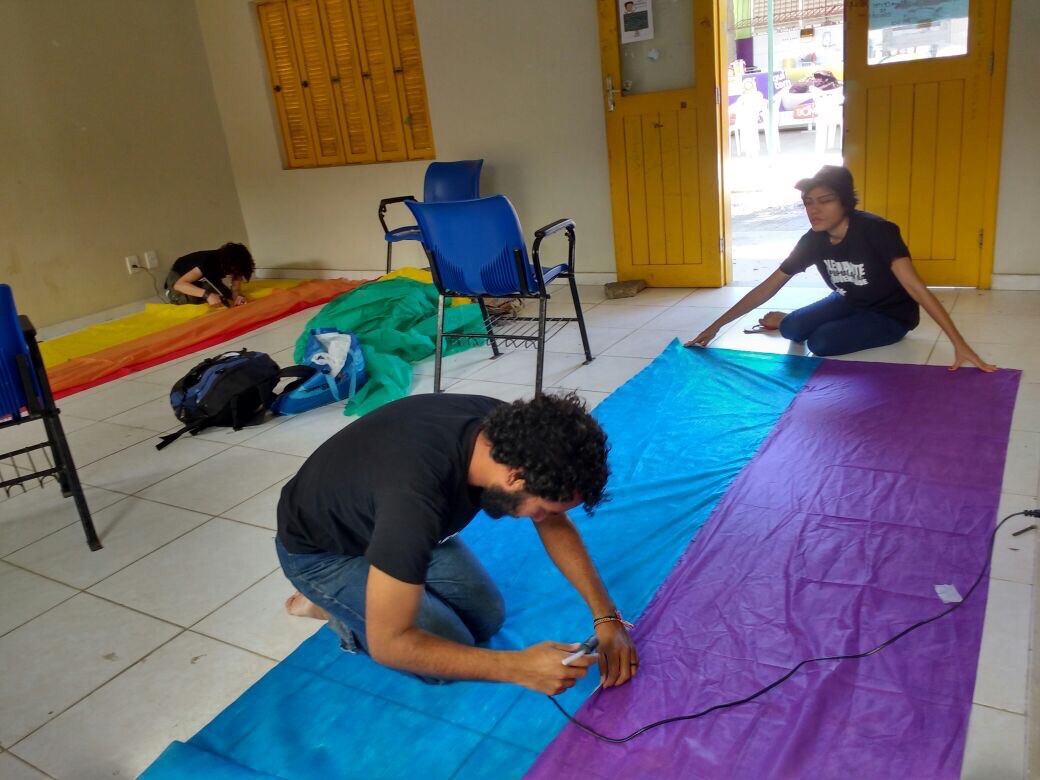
231 389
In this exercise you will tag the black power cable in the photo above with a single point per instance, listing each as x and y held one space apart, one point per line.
155 283
790 673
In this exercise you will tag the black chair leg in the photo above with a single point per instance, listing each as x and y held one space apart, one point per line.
63 460
84 515
490 328
581 320
540 360
389 255
66 474
438 345
52 425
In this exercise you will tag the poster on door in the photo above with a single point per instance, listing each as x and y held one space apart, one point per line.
637 20
899 13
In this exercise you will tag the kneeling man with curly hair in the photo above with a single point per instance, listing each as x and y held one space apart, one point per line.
367 533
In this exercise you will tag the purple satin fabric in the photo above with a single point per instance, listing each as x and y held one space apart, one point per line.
879 482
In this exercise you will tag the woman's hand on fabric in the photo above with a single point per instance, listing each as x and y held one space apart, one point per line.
703 338
240 300
963 354
772 320
213 299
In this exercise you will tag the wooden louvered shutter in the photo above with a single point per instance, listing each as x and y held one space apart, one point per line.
347 80
411 84
380 81
316 82
348 85
286 83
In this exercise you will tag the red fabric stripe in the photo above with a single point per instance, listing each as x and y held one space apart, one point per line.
151 350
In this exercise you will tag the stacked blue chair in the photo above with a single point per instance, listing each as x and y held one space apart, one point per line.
477 250
25 396
444 181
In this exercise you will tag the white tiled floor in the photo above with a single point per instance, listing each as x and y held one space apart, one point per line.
106 657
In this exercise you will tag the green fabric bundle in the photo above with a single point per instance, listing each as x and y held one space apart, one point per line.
396 322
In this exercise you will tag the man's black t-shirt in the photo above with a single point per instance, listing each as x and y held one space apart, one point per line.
208 261
389 486
860 266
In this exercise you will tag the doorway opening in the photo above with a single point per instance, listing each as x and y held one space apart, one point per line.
786 97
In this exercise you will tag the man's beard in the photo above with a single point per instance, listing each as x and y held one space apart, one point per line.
499 503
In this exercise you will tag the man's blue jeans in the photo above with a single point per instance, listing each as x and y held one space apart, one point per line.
460 602
833 326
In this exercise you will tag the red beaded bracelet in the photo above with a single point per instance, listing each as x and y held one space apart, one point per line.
615 616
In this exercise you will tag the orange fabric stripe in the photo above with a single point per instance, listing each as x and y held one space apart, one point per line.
122 359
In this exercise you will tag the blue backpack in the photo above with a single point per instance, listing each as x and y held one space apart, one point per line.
316 385
231 389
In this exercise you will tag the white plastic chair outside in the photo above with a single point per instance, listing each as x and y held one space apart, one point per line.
747 111
829 120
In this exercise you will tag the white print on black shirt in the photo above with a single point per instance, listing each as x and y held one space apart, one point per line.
844 272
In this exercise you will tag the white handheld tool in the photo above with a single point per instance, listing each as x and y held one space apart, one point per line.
588 647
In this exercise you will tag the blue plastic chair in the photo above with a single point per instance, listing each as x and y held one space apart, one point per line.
444 181
25 396
477 250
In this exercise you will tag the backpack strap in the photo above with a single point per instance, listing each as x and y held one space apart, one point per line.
170 438
353 377
352 372
267 394
302 374
330 380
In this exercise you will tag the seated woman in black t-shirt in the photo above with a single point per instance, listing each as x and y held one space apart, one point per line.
199 276
863 259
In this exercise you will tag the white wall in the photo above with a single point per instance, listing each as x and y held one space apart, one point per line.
515 83
1016 249
112 146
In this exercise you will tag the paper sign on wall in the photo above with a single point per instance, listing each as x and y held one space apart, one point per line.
637 20
897 13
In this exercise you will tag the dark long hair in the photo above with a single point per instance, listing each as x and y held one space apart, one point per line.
236 261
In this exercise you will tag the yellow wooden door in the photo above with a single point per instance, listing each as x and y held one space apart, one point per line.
924 93
664 140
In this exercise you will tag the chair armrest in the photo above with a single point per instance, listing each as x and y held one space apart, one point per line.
554 227
34 373
550 229
399 199
28 329
386 202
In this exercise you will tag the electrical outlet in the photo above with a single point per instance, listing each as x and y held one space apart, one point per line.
151 259
132 263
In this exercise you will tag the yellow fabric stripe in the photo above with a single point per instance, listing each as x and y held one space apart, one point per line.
155 317
420 275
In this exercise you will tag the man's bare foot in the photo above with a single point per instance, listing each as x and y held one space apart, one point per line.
299 605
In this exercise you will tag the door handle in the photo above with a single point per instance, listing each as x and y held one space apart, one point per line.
611 92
